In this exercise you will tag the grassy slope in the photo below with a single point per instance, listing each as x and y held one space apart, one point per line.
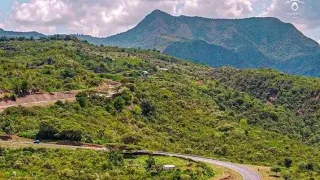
193 113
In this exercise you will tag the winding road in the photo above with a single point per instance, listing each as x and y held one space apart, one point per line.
244 171
34 100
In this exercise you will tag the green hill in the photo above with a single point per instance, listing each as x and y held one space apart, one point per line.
176 107
300 95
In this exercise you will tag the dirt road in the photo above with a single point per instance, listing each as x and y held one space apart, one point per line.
44 99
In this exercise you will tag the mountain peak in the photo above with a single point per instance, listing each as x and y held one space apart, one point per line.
251 43
159 13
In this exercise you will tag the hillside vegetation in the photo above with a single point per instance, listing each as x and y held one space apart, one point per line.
28 66
300 95
28 163
164 104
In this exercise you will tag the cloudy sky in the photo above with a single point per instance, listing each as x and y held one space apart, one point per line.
107 17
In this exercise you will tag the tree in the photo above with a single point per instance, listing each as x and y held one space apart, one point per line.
68 73
127 97
148 109
50 61
119 103
286 175
21 87
59 103
71 135
130 138
276 169
287 162
116 159
25 86
47 130
13 97
150 162
82 101
8 128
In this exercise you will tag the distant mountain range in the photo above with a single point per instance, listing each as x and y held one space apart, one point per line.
241 43
9 34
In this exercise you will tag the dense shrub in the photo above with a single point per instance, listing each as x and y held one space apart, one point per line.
148 109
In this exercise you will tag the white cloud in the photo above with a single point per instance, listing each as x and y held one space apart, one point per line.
103 18
307 15
107 17
94 17
218 8
49 12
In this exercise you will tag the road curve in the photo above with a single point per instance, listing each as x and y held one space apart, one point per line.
245 172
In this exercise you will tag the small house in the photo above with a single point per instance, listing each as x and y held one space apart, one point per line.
168 167
163 69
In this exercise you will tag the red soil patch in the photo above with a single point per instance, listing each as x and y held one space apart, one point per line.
41 99
38 99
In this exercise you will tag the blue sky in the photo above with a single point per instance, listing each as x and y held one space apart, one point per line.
107 17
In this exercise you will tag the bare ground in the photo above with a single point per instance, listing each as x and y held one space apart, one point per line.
43 99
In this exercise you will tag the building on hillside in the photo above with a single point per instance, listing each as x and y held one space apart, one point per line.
168 167
163 69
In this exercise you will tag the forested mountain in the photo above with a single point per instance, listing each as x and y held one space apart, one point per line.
177 106
241 43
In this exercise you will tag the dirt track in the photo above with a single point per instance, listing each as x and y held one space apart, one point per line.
39 99
50 98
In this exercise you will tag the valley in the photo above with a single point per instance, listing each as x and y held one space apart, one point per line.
164 104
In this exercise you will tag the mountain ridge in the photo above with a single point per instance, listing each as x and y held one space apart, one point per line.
242 43
276 44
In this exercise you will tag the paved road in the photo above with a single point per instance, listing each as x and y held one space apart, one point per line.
246 173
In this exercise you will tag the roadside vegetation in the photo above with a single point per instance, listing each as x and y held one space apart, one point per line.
163 104
29 163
